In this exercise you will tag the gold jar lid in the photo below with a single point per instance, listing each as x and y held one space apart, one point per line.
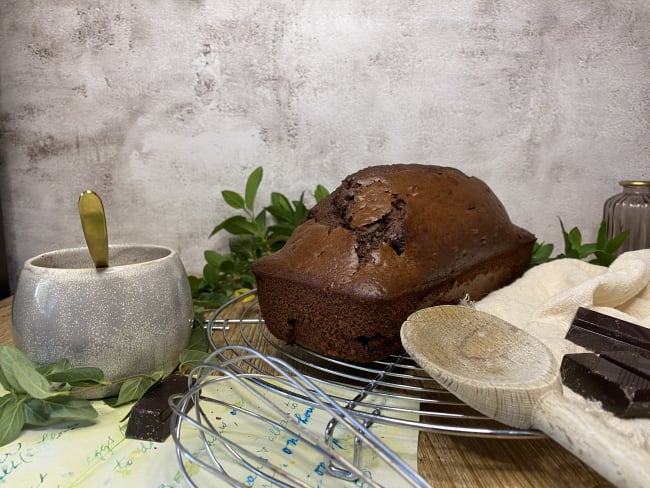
634 183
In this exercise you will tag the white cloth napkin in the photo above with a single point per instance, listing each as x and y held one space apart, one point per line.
544 302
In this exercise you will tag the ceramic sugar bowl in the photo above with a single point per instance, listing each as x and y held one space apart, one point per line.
132 317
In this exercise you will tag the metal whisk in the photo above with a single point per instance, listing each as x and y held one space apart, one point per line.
218 424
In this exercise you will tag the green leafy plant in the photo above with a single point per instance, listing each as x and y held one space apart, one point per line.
253 234
602 252
41 395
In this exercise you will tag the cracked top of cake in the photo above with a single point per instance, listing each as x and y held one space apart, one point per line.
395 227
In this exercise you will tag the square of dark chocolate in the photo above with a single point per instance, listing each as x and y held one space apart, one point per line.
149 418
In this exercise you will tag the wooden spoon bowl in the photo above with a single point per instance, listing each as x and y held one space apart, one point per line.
510 376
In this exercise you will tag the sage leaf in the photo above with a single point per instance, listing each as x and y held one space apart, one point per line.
71 407
234 199
195 282
301 212
21 374
213 258
320 193
54 367
211 273
226 223
585 250
12 419
37 412
131 390
4 381
541 253
573 240
616 242
198 340
603 258
241 246
238 225
280 204
161 374
190 359
227 267
252 185
260 221
82 376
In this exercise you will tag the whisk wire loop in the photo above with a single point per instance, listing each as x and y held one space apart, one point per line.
272 414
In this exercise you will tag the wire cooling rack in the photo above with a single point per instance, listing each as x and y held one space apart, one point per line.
362 388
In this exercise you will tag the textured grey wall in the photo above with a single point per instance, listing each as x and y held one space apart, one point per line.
159 105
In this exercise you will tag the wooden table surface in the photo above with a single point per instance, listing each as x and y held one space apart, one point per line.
455 462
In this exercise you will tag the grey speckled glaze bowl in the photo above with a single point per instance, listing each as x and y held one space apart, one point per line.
132 317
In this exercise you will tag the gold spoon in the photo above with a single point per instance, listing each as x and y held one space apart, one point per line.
509 375
93 223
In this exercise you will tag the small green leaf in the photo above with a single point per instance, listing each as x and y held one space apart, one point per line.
12 419
210 274
300 213
239 225
541 253
280 202
282 229
210 301
260 221
585 250
7 397
601 239
320 193
228 267
567 241
21 374
234 199
603 258
196 284
213 258
575 240
168 369
85 376
224 225
198 340
281 214
4 381
190 359
242 245
616 242
71 407
132 390
36 412
54 367
252 185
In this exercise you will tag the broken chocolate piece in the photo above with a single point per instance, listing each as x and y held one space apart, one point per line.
620 391
149 419
599 333
632 361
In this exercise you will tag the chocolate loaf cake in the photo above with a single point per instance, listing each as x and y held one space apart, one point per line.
388 241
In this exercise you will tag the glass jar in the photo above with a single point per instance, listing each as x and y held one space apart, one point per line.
630 209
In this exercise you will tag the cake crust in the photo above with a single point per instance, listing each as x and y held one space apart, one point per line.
388 241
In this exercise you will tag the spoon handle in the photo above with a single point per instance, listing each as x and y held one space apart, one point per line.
588 438
93 224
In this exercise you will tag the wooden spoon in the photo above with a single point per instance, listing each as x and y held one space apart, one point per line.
510 376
